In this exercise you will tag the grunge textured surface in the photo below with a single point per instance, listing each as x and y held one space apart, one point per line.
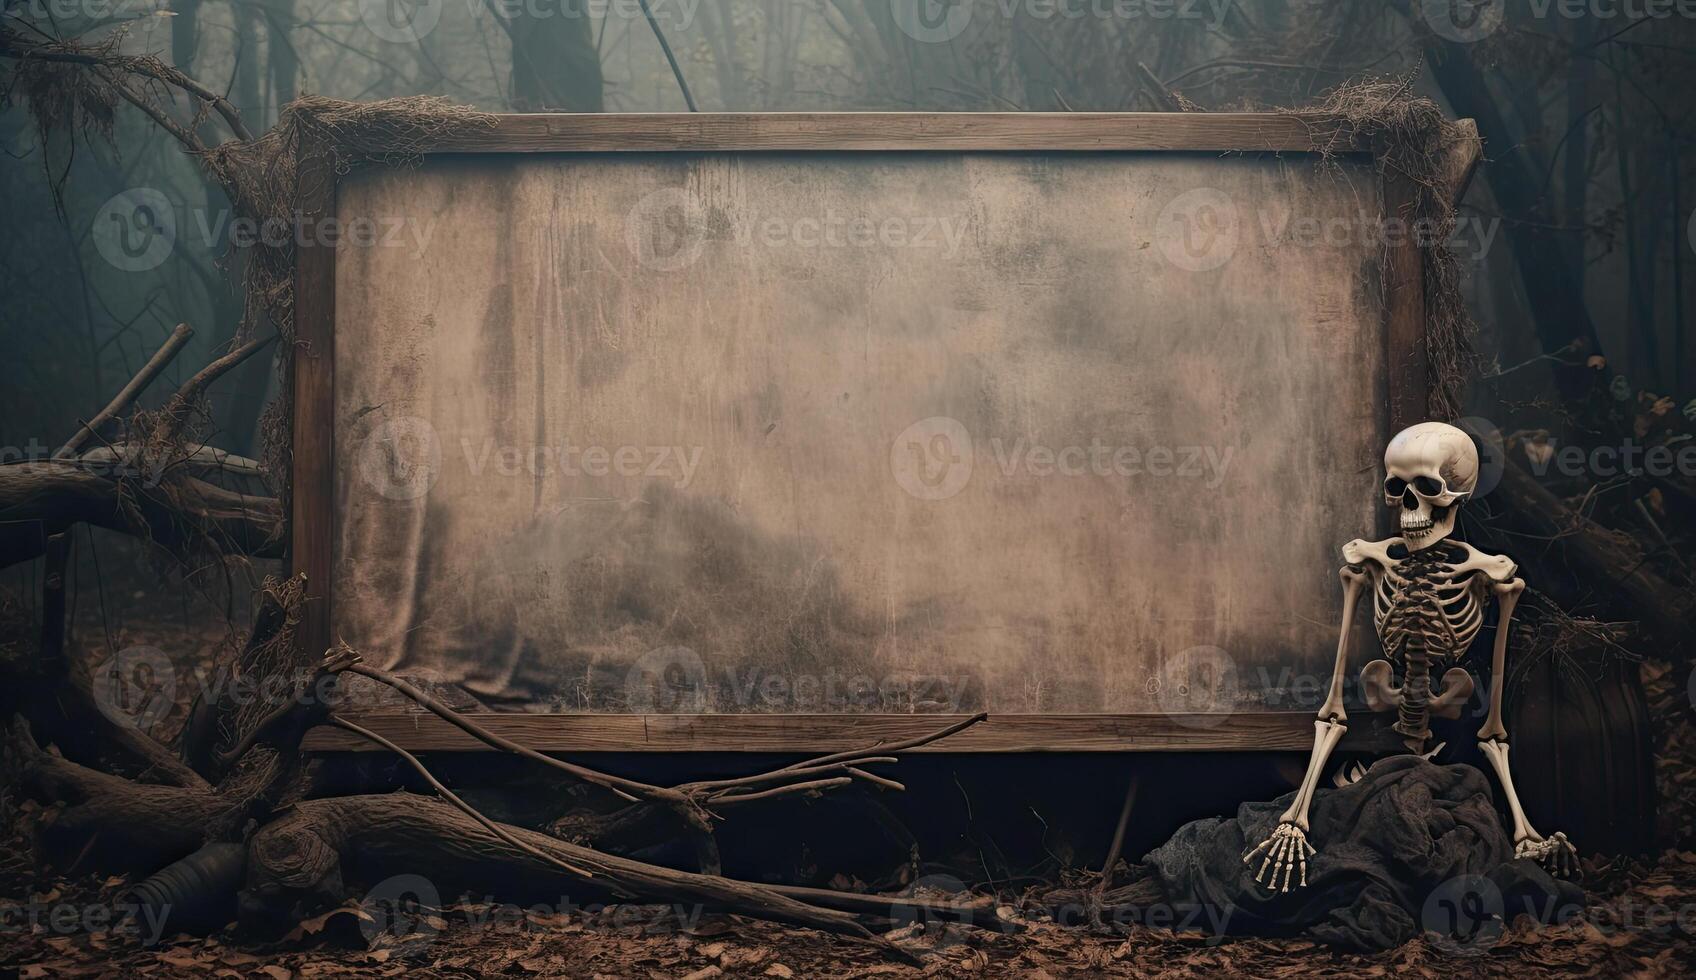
856 432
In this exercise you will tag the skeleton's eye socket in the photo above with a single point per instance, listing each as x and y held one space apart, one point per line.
1395 486
1426 486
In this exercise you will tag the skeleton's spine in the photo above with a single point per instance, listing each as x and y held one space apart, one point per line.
1413 716
1417 622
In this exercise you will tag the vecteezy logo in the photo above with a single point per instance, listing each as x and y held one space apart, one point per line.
1198 230
667 681
1198 686
1463 21
136 687
405 907
666 230
932 458
135 230
401 457
1463 915
401 21
931 21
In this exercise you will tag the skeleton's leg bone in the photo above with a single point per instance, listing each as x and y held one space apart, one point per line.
1348 775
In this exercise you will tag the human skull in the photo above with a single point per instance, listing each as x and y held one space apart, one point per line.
1431 468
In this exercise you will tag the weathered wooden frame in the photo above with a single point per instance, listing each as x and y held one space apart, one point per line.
312 517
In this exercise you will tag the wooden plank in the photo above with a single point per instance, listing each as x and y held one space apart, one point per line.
312 499
1241 732
1215 132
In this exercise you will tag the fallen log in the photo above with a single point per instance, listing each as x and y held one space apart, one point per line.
138 825
143 826
298 861
1616 568
693 806
139 490
42 497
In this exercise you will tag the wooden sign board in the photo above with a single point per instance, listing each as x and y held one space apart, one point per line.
788 432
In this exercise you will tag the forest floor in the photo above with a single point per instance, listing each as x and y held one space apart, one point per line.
1644 930
1640 921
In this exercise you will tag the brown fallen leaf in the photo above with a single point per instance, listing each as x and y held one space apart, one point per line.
183 958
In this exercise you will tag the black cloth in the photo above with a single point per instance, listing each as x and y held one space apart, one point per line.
1411 847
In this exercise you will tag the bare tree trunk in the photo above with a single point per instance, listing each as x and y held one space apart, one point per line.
235 417
1576 171
245 92
282 59
1516 180
554 62
784 24
719 27
185 33
1043 83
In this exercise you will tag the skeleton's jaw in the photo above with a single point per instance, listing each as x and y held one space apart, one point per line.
1426 526
1416 525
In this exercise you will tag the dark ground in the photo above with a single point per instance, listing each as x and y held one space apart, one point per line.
1640 931
1641 920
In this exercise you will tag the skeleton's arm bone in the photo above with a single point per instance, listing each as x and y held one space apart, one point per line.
1507 594
1330 725
1493 737
1326 735
1354 583
1556 853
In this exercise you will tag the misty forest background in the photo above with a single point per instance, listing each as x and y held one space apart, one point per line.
1585 199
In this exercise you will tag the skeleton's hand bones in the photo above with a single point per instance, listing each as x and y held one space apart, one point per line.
1286 849
1555 853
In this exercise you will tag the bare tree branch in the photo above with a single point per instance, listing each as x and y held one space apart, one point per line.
163 356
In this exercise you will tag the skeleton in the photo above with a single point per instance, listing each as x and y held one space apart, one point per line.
1428 600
